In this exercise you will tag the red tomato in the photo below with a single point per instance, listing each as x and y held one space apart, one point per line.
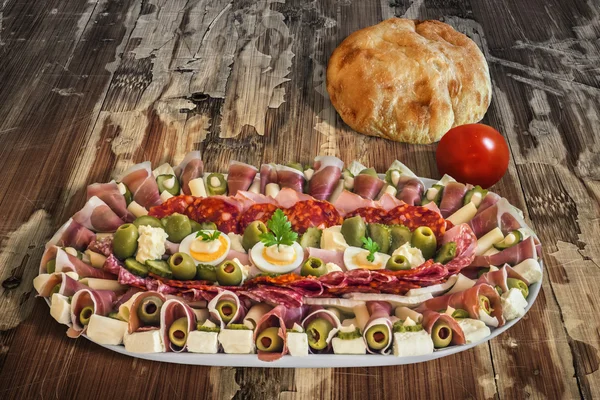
474 153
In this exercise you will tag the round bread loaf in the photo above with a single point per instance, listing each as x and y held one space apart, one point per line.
409 81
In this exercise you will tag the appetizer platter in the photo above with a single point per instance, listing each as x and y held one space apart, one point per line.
292 265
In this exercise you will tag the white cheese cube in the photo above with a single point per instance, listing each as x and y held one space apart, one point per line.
351 346
488 319
104 330
164 196
255 187
197 187
144 342
392 191
332 239
272 189
237 341
136 209
297 344
473 329
530 270
60 309
308 174
513 304
408 344
203 342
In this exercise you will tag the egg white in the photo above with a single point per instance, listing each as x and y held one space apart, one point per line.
185 244
351 252
259 261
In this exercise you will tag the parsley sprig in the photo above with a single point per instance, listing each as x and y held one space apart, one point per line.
280 231
207 237
372 246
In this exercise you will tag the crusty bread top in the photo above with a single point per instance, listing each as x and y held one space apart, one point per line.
408 81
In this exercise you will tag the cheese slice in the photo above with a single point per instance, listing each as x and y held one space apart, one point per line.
203 342
40 280
530 270
237 341
104 330
197 187
136 209
435 290
486 242
462 283
60 309
255 187
464 214
144 342
473 329
104 284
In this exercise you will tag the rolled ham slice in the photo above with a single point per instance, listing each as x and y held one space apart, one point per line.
171 311
101 300
72 234
110 194
68 285
380 312
348 202
320 312
190 168
501 215
268 174
240 177
291 178
97 216
389 202
512 255
141 183
452 198
433 207
274 318
239 314
134 322
489 200
367 186
431 317
499 277
328 170
410 190
66 262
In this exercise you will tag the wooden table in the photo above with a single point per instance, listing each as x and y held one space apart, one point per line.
89 88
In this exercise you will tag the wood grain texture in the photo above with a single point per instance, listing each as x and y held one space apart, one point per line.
90 88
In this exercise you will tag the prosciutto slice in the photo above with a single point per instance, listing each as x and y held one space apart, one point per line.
72 234
98 216
240 177
279 317
68 285
379 312
319 312
190 168
501 215
431 317
328 170
499 277
452 198
66 262
367 186
467 300
268 174
110 194
141 183
101 300
433 207
240 311
512 255
489 200
389 202
410 190
134 322
287 197
466 243
348 202
171 311
291 178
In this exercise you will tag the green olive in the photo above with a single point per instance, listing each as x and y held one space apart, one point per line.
252 234
85 315
149 311
216 184
499 290
229 273
208 226
397 263
177 227
354 229
51 266
317 331
313 266
380 234
297 166
163 181
519 284
196 226
484 304
55 289
183 266
269 340
424 239
178 332
441 333
369 171
226 309
378 337
205 272
399 234
125 241
148 221
460 313
128 196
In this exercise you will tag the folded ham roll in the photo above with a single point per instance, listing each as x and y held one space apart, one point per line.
72 234
328 170
66 262
410 190
499 277
280 318
268 174
367 186
175 311
98 216
135 324
100 301
431 317
142 184
489 200
287 197
110 194
348 202
501 215
190 168
319 312
377 333
452 198
512 255
226 308
240 177
68 285
291 178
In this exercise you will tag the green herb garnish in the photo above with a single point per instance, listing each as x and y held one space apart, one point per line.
372 246
208 237
280 231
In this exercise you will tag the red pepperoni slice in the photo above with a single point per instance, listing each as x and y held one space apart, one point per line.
416 216
176 204
312 213
369 214
215 209
257 212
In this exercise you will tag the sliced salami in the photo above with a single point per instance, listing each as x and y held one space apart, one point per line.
176 204
415 216
312 213
257 212
369 214
223 211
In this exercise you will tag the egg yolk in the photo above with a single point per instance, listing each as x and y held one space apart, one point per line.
361 261
208 251
279 255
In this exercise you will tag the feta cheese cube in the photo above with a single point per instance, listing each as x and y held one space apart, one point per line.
530 270
237 341
473 329
144 342
351 346
297 344
408 344
488 319
203 342
105 330
513 304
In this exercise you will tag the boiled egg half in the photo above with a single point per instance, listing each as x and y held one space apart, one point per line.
356 257
211 252
277 259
